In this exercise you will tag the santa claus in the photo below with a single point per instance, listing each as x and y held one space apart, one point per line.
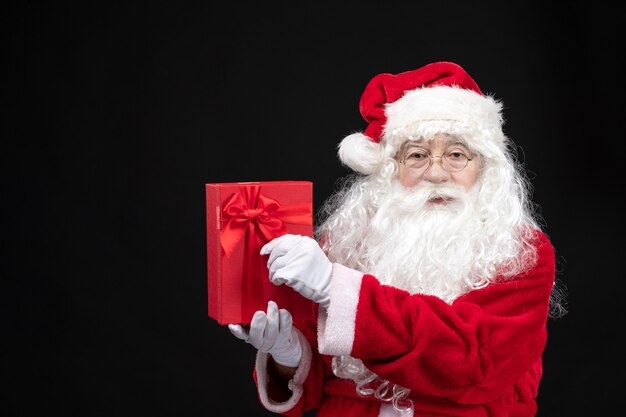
430 270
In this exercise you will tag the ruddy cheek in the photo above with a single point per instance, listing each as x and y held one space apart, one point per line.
406 178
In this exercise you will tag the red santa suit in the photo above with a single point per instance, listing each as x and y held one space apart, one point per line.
478 356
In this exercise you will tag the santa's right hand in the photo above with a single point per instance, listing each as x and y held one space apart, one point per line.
272 333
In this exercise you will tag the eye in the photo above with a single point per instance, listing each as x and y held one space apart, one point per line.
456 155
417 154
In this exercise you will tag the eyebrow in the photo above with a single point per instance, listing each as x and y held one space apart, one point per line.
448 142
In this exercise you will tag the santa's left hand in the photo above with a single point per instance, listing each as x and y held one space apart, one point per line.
299 262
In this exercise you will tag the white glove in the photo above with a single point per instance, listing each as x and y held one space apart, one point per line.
272 333
299 262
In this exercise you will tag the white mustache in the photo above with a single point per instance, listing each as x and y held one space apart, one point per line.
409 199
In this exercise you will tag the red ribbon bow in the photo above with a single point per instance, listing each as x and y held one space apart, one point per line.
249 209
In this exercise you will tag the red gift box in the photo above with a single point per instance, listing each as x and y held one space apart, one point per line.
241 218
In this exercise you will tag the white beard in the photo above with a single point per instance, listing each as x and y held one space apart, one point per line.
409 243
423 247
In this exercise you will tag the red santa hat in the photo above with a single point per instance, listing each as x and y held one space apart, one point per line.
437 98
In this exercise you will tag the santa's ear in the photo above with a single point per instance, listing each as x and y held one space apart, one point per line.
360 153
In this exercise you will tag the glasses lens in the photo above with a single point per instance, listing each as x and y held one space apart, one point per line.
416 159
455 161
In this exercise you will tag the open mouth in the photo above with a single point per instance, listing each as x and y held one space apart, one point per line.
439 199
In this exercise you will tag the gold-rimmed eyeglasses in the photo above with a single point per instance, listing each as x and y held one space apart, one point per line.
453 160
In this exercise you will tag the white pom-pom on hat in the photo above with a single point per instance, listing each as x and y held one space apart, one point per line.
360 153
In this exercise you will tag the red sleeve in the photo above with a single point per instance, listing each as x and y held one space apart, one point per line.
470 351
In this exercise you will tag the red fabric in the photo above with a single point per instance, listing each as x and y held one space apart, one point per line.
388 88
485 348
480 356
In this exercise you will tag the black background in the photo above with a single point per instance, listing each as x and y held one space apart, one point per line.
116 115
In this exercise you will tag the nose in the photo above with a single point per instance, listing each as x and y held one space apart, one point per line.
435 173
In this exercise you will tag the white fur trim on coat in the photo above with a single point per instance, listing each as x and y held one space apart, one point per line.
336 326
295 384
387 410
